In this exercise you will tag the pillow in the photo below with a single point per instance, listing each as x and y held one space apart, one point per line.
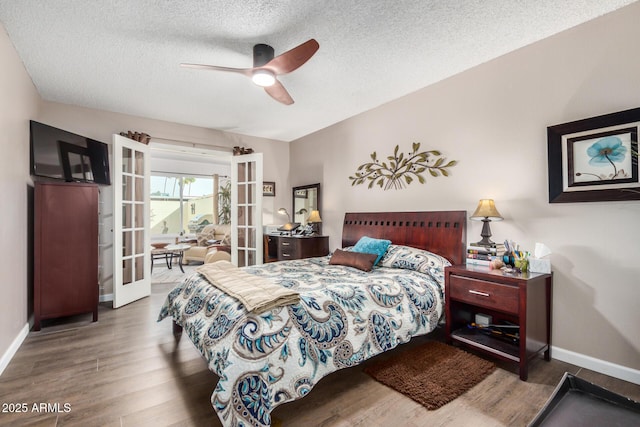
226 240
372 246
361 261
415 259
206 234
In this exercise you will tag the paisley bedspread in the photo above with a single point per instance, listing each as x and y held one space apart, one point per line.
344 317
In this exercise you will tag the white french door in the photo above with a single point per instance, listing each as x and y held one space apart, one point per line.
246 209
131 240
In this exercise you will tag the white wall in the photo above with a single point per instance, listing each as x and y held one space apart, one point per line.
493 120
18 103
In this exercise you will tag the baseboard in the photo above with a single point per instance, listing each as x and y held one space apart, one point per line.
601 366
13 348
105 298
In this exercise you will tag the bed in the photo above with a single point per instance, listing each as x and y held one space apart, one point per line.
344 315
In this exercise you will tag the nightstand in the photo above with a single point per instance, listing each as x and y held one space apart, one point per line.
522 299
298 247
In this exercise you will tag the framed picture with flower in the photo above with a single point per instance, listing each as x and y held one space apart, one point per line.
595 159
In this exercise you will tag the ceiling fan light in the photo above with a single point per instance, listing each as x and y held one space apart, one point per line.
263 78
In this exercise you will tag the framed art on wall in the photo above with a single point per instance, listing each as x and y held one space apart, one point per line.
594 159
268 188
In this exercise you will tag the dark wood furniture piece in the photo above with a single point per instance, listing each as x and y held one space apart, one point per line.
521 299
440 232
65 250
292 247
270 250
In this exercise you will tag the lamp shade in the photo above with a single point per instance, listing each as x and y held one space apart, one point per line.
486 209
314 217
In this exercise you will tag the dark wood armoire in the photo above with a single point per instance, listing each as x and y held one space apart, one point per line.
65 250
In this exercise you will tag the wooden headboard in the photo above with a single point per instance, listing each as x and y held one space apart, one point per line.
441 232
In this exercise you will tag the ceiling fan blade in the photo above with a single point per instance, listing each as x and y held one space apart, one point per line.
245 71
294 58
279 93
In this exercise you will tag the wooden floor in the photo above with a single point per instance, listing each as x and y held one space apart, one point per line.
126 370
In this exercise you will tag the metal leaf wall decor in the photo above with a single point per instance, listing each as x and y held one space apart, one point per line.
398 170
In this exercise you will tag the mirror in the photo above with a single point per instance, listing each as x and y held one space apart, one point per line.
306 198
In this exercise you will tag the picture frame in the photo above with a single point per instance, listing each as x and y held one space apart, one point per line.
268 189
300 193
594 159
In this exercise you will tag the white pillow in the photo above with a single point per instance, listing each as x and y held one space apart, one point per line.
408 258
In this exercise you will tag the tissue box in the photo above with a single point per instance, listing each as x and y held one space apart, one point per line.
539 265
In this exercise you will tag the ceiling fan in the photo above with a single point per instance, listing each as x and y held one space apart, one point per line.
266 68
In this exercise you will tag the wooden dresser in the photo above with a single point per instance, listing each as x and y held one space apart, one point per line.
65 250
292 247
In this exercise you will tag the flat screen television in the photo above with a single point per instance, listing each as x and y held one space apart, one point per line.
58 154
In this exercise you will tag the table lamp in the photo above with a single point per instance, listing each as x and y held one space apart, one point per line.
289 226
314 219
486 212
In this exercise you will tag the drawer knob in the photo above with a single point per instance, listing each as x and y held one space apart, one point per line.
482 294
286 255
285 243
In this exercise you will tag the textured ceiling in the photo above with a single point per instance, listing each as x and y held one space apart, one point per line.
124 55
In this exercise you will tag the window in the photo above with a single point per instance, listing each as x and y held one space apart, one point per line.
182 204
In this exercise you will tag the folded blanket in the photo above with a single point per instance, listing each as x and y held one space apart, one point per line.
254 292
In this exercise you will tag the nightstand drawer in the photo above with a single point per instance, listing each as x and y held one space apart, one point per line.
484 294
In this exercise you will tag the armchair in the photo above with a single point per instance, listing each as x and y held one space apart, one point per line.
220 233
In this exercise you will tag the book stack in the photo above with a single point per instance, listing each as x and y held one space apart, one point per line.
483 255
